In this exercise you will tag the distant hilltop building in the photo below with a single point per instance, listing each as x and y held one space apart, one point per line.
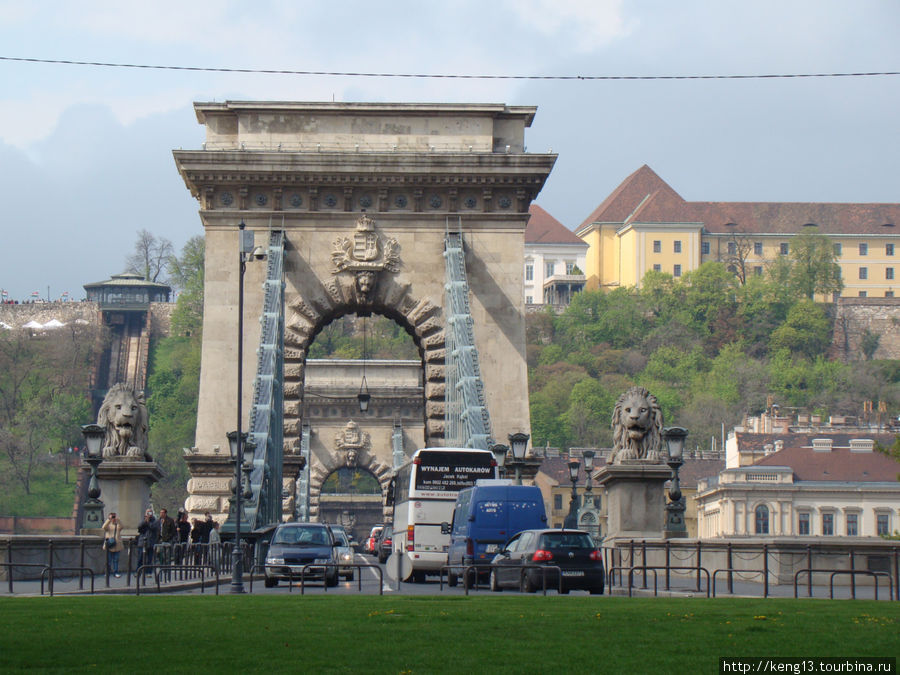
645 225
554 260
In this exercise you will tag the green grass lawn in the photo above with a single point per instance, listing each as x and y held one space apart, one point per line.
427 634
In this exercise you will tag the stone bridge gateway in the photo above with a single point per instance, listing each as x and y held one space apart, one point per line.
365 194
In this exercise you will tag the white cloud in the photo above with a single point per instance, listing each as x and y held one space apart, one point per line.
583 25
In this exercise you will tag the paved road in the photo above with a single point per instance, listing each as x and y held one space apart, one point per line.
369 582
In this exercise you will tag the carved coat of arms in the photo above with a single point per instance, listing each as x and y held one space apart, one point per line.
365 255
352 441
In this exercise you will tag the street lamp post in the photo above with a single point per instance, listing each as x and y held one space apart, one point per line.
500 451
571 521
246 252
519 444
675 526
93 455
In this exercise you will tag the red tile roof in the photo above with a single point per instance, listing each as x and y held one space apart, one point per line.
543 228
656 202
840 464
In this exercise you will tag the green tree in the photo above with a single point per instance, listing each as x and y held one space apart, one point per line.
187 276
43 396
173 383
807 330
815 269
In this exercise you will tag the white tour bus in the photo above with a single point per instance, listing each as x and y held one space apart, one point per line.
423 492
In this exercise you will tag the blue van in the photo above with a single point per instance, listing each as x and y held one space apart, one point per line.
485 516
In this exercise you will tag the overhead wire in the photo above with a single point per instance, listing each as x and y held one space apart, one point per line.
445 76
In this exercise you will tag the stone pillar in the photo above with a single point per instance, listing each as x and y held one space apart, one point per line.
635 499
125 490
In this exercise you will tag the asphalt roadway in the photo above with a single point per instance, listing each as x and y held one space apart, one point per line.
367 580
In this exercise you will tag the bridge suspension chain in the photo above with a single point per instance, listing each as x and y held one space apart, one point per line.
467 423
267 412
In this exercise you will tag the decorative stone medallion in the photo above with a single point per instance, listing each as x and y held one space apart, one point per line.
366 255
352 441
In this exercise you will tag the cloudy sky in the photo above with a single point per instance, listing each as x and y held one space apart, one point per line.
85 151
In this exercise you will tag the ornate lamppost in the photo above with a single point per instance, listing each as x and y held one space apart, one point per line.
519 444
571 521
675 526
93 455
499 450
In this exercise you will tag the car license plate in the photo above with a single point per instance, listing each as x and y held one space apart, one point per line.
490 548
321 561
573 573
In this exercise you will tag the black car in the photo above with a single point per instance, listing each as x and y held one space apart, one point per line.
518 565
296 545
383 548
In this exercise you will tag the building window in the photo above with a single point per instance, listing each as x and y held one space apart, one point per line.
863 294
657 248
864 249
837 250
802 523
852 525
757 248
549 268
783 248
557 502
704 248
889 249
570 269
863 274
656 268
677 247
888 274
732 250
529 300
756 270
882 524
676 273
828 523
762 519
889 294
529 276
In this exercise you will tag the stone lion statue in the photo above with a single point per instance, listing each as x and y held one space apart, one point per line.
124 416
637 424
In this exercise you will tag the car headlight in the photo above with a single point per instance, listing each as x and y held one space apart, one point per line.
274 561
346 557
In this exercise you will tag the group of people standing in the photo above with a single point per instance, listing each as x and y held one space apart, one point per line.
163 530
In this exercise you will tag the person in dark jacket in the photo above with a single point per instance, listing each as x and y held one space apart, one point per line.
168 535
148 535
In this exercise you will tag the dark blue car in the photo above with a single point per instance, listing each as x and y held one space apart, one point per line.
296 545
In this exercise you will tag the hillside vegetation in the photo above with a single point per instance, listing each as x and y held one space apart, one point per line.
710 348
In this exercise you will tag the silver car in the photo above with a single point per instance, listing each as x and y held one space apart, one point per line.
343 550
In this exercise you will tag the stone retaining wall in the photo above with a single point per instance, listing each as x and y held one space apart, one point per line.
855 317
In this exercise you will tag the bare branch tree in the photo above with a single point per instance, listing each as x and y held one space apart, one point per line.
738 249
151 257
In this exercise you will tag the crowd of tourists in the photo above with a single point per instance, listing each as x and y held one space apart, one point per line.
165 540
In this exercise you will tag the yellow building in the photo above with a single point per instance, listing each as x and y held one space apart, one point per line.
645 225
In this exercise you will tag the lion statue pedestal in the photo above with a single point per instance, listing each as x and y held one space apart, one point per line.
125 487
635 475
635 499
127 471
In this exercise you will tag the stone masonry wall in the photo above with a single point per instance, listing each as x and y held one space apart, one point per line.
855 316
66 312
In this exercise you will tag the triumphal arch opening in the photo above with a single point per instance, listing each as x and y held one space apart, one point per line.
365 194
